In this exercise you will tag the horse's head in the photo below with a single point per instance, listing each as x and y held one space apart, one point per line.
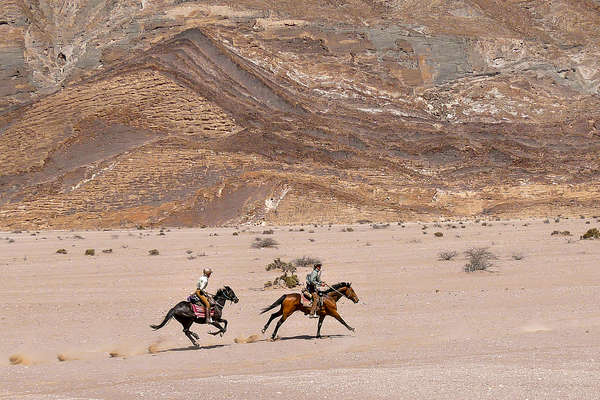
345 288
229 294
349 293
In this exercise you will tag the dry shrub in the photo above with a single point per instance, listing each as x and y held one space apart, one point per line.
348 229
447 255
260 243
153 252
380 226
479 259
268 232
305 261
282 265
591 234
107 251
61 251
563 233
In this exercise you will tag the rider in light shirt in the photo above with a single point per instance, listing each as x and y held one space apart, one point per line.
313 281
202 284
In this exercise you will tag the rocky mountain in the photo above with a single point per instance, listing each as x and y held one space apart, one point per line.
173 112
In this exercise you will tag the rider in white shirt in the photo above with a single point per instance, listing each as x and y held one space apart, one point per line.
202 296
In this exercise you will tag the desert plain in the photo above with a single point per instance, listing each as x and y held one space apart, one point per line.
529 328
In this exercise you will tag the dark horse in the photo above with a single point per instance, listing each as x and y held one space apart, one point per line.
290 303
185 315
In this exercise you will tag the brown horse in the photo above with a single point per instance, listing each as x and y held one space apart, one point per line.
290 303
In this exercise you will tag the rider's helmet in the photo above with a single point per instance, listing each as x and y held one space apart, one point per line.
207 271
318 265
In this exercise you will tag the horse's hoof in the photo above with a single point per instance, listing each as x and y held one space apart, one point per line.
352 330
263 330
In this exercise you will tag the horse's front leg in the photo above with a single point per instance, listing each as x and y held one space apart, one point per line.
337 316
223 329
321 318
217 325
224 321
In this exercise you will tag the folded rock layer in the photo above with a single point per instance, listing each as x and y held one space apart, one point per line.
119 114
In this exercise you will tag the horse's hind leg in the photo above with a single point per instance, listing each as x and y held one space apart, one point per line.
273 316
186 329
281 321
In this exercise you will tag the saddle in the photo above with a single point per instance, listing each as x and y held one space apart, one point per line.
194 299
198 307
307 298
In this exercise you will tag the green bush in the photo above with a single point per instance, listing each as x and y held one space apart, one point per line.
289 281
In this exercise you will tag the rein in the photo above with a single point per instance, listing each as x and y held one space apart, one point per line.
335 290
223 296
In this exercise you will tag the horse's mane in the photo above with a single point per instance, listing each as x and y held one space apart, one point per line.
337 286
221 291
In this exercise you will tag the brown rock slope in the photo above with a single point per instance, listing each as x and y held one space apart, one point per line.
186 113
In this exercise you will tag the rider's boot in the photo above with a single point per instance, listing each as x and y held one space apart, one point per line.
208 316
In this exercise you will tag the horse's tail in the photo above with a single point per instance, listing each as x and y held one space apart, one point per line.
278 302
167 318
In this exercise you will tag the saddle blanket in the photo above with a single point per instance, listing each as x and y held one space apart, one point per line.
199 311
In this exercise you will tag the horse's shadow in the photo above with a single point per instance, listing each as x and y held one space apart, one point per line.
188 348
311 337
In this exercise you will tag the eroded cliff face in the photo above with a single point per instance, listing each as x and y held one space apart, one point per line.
121 113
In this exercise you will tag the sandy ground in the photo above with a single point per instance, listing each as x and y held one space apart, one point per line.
424 328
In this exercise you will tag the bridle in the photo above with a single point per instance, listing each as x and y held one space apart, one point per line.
223 295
